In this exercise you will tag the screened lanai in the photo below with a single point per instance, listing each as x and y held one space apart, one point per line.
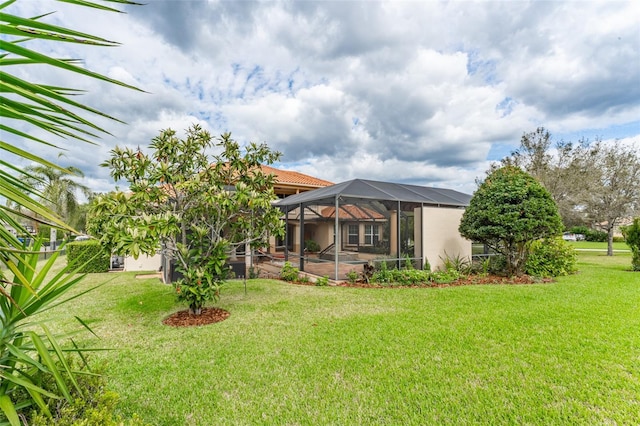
337 229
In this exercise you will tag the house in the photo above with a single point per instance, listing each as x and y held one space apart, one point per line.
361 221
617 228
287 182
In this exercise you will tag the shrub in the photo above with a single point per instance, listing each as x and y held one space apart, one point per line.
408 262
29 357
596 236
289 273
311 246
44 232
458 263
322 281
632 236
579 230
492 264
88 256
410 276
96 405
445 276
481 265
352 276
551 257
374 249
198 285
590 234
382 275
427 265
203 275
383 264
395 276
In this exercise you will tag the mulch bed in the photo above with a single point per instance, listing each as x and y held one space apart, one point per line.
470 280
185 319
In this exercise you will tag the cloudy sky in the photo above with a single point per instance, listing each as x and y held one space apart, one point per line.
424 92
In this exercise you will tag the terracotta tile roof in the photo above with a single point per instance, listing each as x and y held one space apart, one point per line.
295 178
349 211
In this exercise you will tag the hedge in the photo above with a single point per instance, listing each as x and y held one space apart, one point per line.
89 255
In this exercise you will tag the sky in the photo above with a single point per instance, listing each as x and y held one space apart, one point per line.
421 92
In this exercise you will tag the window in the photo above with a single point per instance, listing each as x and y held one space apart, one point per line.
371 235
352 236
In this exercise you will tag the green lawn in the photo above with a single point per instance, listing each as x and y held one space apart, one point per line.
591 245
559 353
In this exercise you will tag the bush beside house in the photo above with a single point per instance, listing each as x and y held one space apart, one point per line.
632 238
90 256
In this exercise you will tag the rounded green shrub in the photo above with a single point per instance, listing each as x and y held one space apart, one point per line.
550 257
322 281
289 272
596 236
632 238
311 246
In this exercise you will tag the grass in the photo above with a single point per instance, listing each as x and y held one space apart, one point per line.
560 353
592 245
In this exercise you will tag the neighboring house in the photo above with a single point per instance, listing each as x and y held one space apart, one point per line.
375 221
617 228
289 182
142 263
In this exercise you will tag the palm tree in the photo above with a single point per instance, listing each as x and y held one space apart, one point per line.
40 106
58 190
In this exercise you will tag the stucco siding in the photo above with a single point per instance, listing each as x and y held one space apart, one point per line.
441 236
143 263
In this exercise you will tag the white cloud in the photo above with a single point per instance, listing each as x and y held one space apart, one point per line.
423 92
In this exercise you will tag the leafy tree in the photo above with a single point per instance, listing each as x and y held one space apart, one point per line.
198 208
508 212
558 166
595 183
614 186
632 238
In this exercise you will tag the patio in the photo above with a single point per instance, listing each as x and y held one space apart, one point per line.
371 221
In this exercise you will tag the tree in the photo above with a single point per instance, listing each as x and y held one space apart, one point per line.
594 183
614 186
58 190
199 208
563 173
632 238
508 212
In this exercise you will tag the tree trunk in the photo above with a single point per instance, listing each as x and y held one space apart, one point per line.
610 241
195 309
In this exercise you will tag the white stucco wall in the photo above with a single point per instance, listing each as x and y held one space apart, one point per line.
142 263
440 235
